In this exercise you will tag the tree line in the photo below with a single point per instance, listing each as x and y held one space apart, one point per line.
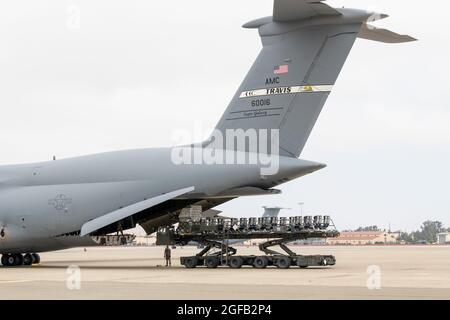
426 234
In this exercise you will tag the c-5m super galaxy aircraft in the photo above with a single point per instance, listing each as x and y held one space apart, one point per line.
62 204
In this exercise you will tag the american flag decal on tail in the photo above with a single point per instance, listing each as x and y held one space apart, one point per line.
281 69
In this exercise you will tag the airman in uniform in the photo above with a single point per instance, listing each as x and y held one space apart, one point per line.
168 256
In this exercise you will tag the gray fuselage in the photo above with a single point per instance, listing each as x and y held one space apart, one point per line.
41 202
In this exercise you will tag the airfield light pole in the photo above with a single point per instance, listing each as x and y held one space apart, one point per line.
301 207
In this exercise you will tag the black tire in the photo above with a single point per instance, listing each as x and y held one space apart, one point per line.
261 262
190 262
283 262
236 262
10 260
4 260
18 260
212 262
27 259
330 261
36 258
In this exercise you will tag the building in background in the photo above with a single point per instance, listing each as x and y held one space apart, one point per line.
443 238
363 238
396 234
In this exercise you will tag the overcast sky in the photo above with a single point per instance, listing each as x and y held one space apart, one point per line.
128 73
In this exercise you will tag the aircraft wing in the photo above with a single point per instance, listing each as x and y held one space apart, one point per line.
211 213
289 10
112 217
234 193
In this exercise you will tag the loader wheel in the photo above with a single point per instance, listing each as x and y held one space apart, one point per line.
211 262
236 262
18 259
260 262
27 259
283 262
10 260
190 262
329 261
36 258
5 259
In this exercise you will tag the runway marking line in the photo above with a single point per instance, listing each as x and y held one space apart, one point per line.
14 281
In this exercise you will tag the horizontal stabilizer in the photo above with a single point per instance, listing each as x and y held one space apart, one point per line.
294 10
126 212
369 32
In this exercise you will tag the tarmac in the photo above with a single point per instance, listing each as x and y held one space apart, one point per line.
361 272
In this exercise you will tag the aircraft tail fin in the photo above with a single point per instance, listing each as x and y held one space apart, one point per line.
305 45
